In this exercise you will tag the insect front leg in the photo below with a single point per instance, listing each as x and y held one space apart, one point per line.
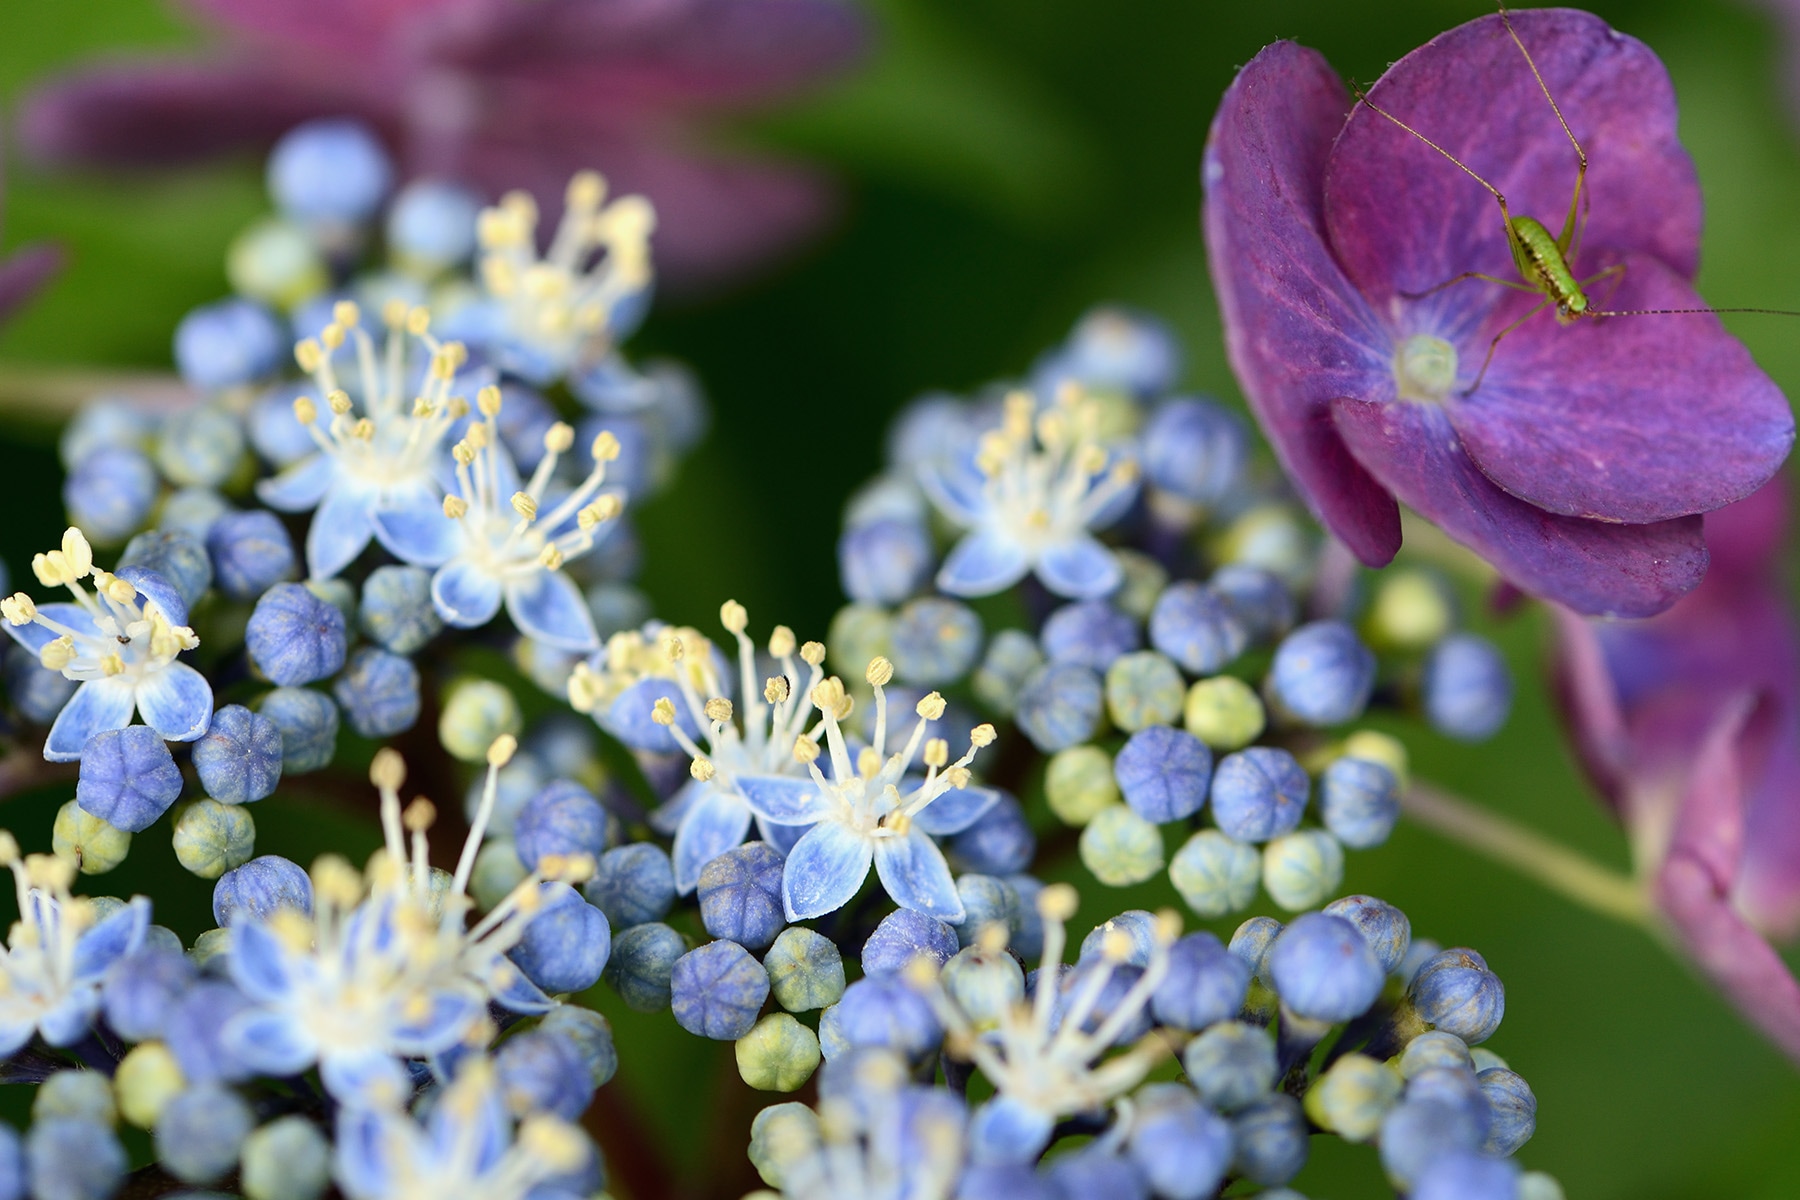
1495 344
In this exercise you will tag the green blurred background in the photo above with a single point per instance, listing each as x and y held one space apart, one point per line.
1008 163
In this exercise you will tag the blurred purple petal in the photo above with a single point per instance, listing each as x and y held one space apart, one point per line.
22 274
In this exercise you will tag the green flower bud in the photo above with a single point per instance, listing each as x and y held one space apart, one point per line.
209 946
1215 874
147 1079
779 1054
1381 748
497 872
1079 783
781 1133
1121 848
94 846
1224 712
858 634
805 970
274 261
476 711
212 838
1411 610
287 1159
1302 869
1145 579
1143 688
78 1093
1352 1097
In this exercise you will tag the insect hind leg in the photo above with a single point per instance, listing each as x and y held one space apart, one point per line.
1495 345
1577 200
1514 284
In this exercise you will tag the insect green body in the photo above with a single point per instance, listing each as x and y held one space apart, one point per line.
1541 260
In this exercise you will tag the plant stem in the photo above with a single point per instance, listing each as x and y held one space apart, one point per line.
1571 874
55 393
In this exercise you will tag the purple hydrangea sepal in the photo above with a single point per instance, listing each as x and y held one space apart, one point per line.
1572 467
1689 724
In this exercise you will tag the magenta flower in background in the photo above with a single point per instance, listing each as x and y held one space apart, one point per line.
1577 466
496 93
23 272
1689 723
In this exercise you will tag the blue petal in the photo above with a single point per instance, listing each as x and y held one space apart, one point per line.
14 1035
956 488
982 563
367 1143
547 607
914 872
269 1041
666 818
628 716
715 823
412 525
783 837
465 595
259 962
510 989
956 810
339 531
71 1020
110 940
177 702
96 706
446 1018
363 1077
480 1125
785 799
301 486
155 587
1081 569
824 870
34 636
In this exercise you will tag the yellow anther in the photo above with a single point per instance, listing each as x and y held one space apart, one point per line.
478 436
552 1142
49 872
992 937
1057 902
309 355
418 321
663 711
1019 407
332 336
19 609
345 313
959 777
931 707
559 437
364 430
119 591
586 190
937 752
463 453
393 313
525 504
812 653
733 616
457 408
1168 926
669 642
781 641
47 571
9 848
805 749
501 750
455 507
718 709
422 407
981 735
387 770
602 510
419 816
867 762
550 557
606 447
334 880
77 553
338 400
487 401
776 689
112 665
921 970
880 672
702 769
1115 944
1091 459
57 653
305 411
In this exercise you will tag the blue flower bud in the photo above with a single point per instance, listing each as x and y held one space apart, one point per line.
1012 655
1215 874
1006 1132
1435 1048
1467 688
717 990
1113 349
101 423
1251 943
193 511
200 447
1231 1064
39 693
211 838
1423 951
1183 1149
1060 706
287 1159
431 226
1195 449
140 987
331 170
887 1012
1512 1111
740 895
591 1035
1137 924
239 759
1205 984
904 935
565 945
1456 992
1269 1140
563 818
936 641
259 889
67 1158
201 1131
1000 842
84 1094
308 724
180 558
1164 773
1383 926
1322 674
1263 604
1418 1131
986 901
1324 969
641 963
230 342
1093 1171
397 610
542 1072
1258 793
251 551
633 884
1360 802
1089 633
1197 627
884 561
294 637
128 777
805 970
379 693
110 492
1460 1174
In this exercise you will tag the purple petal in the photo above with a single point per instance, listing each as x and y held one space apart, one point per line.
1401 218
177 702
915 875
1081 569
96 706
23 273
548 607
1606 418
714 823
824 870
982 563
1593 567
465 595
1297 333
